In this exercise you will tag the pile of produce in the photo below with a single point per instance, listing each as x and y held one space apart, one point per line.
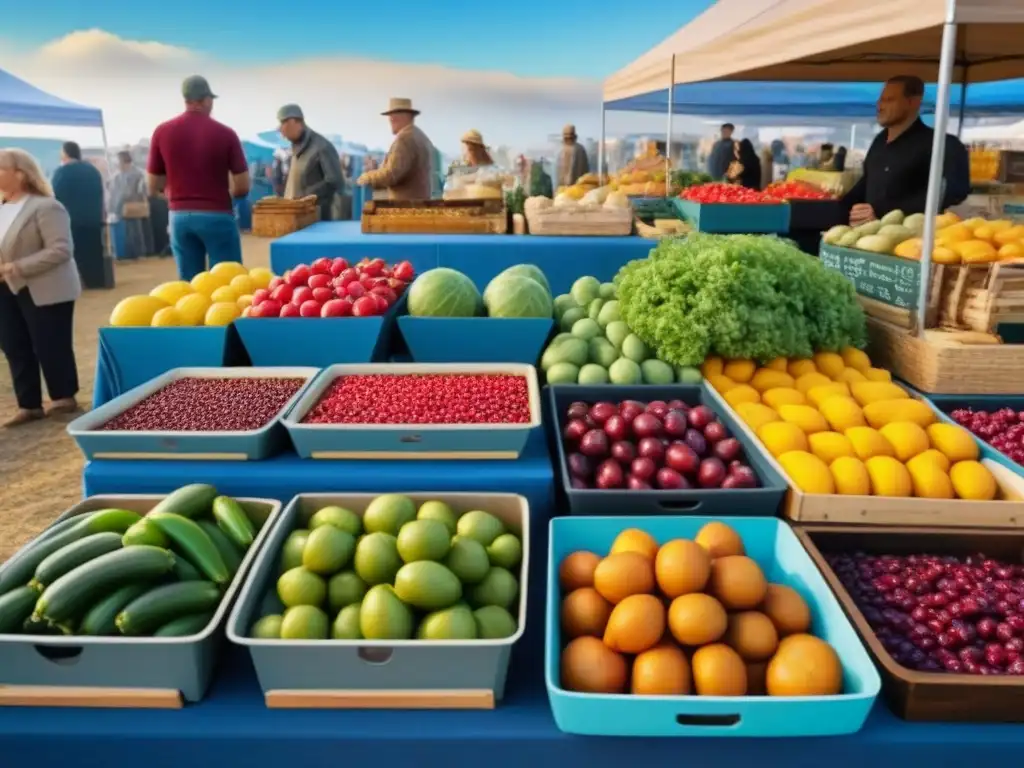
216 297
725 631
116 572
1002 429
797 190
208 405
396 572
837 425
597 347
518 292
683 179
461 398
733 194
667 445
333 288
938 613
736 296
596 200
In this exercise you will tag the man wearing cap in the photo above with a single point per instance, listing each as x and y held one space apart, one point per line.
408 170
201 164
315 165
572 160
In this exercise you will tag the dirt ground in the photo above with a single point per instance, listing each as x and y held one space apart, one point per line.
40 466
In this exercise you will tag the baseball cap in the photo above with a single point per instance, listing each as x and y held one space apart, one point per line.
289 112
195 88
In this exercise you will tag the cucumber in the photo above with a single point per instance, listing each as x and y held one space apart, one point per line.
100 618
19 569
185 571
160 605
73 555
188 501
184 626
15 607
75 592
193 543
145 532
231 519
227 550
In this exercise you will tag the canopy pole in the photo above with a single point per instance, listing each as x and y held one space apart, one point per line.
963 105
106 165
935 173
668 137
600 147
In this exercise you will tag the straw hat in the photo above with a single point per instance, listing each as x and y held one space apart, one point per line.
400 105
473 136
569 130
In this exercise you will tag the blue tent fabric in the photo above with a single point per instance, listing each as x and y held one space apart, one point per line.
843 100
21 102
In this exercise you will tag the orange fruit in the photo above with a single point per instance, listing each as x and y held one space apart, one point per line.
620 575
682 566
635 540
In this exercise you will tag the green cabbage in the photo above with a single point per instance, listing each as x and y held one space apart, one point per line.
517 296
443 292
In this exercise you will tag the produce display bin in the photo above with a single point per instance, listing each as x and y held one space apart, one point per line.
230 446
376 673
784 561
814 215
913 695
763 501
944 405
475 339
318 341
734 218
184 664
410 441
809 508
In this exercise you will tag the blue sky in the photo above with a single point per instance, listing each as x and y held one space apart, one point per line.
572 38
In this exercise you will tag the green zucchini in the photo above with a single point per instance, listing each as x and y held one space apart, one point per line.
35 625
231 519
19 569
160 605
228 551
188 501
184 626
15 607
99 621
185 571
75 592
73 555
192 542
145 532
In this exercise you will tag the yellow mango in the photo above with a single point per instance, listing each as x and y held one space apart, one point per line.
779 364
972 480
810 380
798 368
1000 225
955 233
888 477
929 480
850 476
906 438
882 412
842 413
818 395
1009 235
712 366
851 376
755 415
829 446
1011 251
780 396
829 363
868 443
909 249
938 458
805 417
740 371
942 254
808 473
975 252
865 392
765 379
855 358
741 393
720 383
984 232
877 374
781 437
955 442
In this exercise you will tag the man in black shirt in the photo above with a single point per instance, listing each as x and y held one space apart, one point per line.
897 164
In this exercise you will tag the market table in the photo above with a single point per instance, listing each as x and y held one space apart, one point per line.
563 259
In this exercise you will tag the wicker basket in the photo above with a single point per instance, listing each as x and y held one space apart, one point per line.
435 217
277 217
605 222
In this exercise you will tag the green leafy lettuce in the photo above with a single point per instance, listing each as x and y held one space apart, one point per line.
737 296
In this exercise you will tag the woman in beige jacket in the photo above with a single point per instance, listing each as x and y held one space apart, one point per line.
38 287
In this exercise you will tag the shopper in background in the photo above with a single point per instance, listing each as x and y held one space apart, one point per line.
315 166
745 168
572 159
839 160
201 164
78 186
767 166
722 153
129 200
474 151
408 171
38 287
898 164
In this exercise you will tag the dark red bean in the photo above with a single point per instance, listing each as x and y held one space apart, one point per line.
208 405
424 399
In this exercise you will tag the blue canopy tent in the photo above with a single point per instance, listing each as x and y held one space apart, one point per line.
23 103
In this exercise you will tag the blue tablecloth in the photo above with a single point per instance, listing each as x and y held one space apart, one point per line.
563 259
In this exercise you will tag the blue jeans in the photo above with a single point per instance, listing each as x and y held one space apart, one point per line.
196 234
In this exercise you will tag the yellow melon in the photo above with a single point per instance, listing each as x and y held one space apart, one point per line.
222 313
829 446
818 395
740 371
798 368
781 437
829 363
850 476
865 392
136 311
808 473
882 412
741 393
842 413
855 358
929 480
868 443
172 291
972 480
888 477
260 276
765 379
776 398
167 317
229 269
805 417
756 415
193 308
207 282
809 381
906 438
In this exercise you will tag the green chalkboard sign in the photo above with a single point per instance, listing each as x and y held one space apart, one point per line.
878 276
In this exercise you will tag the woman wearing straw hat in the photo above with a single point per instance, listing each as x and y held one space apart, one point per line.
474 151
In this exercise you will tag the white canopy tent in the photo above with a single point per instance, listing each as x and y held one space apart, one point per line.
966 41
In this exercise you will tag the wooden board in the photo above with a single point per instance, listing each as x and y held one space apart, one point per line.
418 455
440 217
304 699
107 698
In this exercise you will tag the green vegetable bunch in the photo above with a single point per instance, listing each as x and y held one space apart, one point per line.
737 296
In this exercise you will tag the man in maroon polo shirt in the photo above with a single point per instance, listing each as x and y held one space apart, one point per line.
201 164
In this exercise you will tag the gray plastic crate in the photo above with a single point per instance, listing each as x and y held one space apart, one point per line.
378 665
184 664
249 445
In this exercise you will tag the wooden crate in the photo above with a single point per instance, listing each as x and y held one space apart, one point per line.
602 222
435 217
277 217
913 695
978 297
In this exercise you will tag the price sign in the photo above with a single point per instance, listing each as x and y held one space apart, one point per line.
879 276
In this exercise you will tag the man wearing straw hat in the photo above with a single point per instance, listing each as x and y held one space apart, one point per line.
572 160
407 171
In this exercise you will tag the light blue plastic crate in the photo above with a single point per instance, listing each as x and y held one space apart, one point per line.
733 218
185 664
410 441
227 446
784 561
375 665
475 339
